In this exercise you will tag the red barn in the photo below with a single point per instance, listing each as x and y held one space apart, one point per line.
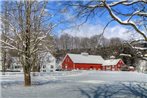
82 61
113 64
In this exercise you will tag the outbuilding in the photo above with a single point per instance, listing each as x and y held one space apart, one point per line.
82 61
113 64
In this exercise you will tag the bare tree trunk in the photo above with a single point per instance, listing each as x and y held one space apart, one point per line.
27 67
4 33
28 32
3 62
27 77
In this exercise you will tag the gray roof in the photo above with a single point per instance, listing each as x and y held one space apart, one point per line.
15 59
111 62
87 59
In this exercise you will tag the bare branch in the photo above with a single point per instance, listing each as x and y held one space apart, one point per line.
124 22
9 46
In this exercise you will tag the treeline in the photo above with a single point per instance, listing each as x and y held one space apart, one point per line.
67 41
95 45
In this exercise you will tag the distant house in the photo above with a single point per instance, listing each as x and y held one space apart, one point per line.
112 64
47 62
82 61
15 65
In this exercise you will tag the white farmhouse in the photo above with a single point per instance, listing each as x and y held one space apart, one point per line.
47 62
15 64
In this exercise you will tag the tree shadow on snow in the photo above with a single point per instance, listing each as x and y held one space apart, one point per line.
33 83
37 83
121 90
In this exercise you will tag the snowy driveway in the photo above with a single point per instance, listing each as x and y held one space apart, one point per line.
80 84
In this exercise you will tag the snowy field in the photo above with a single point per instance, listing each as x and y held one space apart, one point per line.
76 84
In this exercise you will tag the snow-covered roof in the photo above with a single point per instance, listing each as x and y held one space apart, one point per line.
128 55
131 67
145 55
111 62
140 48
88 59
15 59
46 55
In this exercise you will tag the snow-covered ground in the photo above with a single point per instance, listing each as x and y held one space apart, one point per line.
76 84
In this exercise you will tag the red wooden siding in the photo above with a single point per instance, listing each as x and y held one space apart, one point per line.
88 66
67 63
116 67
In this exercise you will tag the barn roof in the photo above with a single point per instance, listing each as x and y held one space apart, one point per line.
87 59
111 62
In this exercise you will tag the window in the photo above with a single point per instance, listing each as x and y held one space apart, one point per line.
66 66
48 59
118 65
44 70
17 67
67 60
44 66
52 66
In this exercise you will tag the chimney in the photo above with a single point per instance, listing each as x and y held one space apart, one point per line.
84 54
112 57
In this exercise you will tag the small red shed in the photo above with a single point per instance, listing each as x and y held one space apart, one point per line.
82 61
112 64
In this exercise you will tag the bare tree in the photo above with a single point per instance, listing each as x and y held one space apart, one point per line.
5 29
135 16
77 42
136 9
65 41
115 42
29 30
